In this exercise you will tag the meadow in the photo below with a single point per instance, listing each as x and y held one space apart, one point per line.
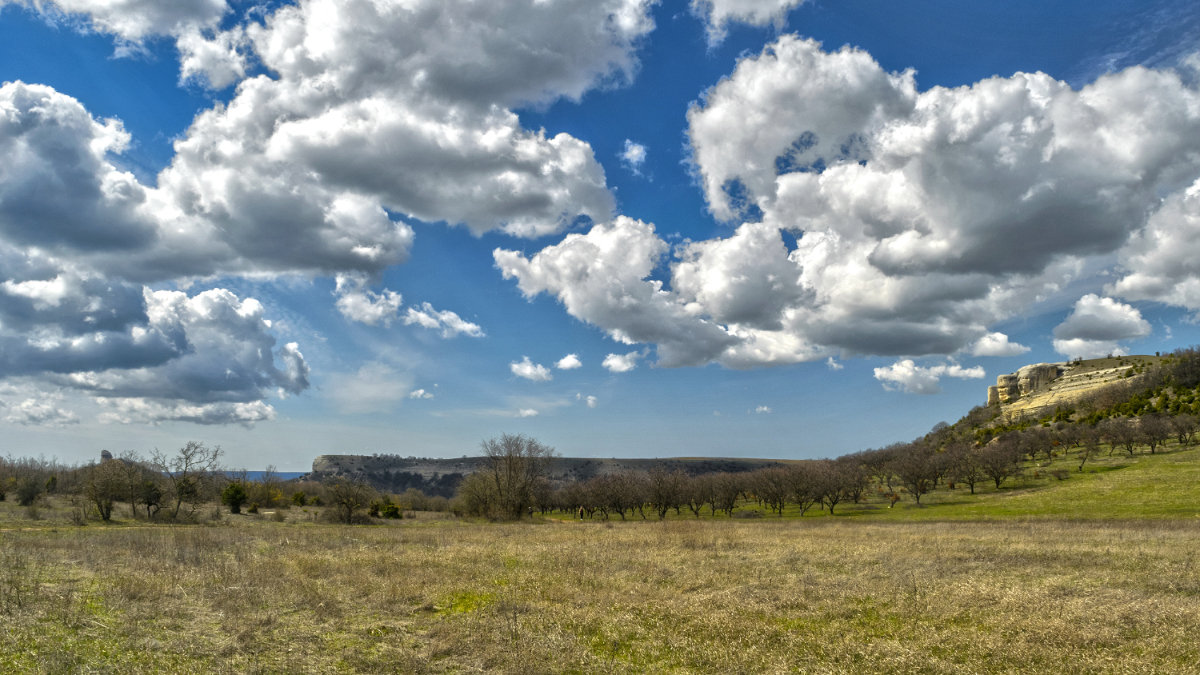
717 595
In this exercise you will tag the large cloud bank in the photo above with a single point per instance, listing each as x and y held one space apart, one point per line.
920 219
348 119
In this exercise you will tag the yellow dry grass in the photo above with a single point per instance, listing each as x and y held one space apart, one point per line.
820 595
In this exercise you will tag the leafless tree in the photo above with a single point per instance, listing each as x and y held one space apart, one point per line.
773 486
1184 426
965 465
1154 431
191 474
1089 446
854 474
515 463
665 490
831 483
1121 432
1001 459
805 485
697 492
917 468
348 497
727 489
103 485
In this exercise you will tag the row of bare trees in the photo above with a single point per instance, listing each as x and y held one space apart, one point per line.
658 492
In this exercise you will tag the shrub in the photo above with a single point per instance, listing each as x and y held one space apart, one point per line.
234 496
28 490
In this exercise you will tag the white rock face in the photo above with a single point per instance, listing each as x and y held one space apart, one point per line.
1028 380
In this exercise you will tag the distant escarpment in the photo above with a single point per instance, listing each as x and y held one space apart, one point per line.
393 473
1044 386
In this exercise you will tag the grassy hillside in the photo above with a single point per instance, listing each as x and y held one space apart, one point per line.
1165 485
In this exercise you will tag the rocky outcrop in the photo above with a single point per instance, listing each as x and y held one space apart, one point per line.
1043 387
1023 383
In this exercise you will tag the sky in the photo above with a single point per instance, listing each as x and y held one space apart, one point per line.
745 228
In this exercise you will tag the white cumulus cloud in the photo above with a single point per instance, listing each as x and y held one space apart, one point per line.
568 362
997 344
530 370
449 323
718 14
905 375
633 156
621 363
358 303
1096 326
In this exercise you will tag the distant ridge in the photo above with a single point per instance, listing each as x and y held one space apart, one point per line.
394 473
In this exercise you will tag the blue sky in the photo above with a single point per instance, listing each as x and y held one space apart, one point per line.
768 228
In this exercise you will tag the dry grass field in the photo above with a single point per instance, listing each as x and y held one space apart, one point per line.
249 594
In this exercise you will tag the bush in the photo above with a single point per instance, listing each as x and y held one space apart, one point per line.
234 496
28 490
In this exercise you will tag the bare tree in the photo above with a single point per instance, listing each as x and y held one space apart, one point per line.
514 465
805 484
698 491
1001 459
1153 430
831 481
964 463
665 490
103 485
1089 447
854 475
773 486
1121 431
917 468
1184 426
727 490
348 497
190 474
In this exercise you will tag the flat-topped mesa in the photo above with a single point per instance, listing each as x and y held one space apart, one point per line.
1026 381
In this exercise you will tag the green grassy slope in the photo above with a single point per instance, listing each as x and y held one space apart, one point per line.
1164 485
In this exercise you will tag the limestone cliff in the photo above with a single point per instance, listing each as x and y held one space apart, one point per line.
1028 380
1043 386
